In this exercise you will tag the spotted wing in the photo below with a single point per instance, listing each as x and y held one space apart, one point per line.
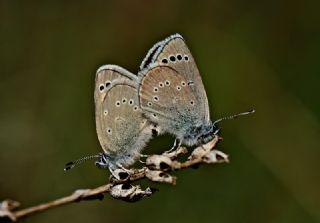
173 52
121 128
168 100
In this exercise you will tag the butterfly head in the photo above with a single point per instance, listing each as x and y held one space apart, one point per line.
201 134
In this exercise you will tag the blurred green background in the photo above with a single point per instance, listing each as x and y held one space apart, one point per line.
251 54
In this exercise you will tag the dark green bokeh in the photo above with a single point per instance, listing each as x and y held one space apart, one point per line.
251 54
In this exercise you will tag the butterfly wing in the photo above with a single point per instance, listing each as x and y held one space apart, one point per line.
174 52
168 100
182 104
122 130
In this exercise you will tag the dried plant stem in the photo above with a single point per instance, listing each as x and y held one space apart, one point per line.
156 169
76 196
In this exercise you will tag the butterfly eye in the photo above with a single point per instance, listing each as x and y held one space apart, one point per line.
105 112
101 87
178 88
154 115
156 98
155 89
164 61
117 103
124 100
109 131
172 58
149 104
161 84
179 57
191 102
135 108
131 102
186 58
183 83
167 83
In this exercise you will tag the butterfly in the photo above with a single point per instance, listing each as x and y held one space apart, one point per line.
166 96
172 94
121 127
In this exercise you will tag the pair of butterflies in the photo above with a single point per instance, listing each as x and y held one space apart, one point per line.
167 96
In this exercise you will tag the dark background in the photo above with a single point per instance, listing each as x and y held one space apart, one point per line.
251 54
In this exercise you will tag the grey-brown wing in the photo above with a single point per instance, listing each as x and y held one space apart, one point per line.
173 52
168 100
120 125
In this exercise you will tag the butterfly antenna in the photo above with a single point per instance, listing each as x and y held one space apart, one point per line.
74 163
234 116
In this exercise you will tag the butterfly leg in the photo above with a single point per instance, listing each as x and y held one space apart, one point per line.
141 161
114 173
143 156
122 167
176 145
119 172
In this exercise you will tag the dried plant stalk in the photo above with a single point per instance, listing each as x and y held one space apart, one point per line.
157 169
